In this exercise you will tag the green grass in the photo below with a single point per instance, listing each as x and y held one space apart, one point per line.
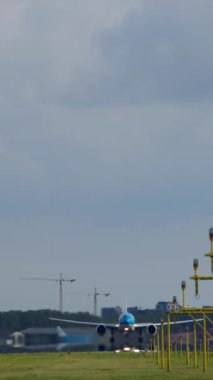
97 366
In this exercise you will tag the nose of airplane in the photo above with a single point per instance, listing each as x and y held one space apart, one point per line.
127 319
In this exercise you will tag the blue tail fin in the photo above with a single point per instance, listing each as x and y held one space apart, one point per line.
126 306
60 332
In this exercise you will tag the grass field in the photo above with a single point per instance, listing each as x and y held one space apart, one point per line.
97 366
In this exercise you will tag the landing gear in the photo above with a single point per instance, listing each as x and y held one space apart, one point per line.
101 347
140 340
112 341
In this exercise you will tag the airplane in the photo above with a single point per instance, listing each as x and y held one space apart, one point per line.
126 324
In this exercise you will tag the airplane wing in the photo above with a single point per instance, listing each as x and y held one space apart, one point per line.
82 323
140 325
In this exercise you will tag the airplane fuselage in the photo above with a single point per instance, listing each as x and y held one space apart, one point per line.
126 322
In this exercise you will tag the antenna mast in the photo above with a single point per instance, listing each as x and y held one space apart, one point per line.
96 294
60 281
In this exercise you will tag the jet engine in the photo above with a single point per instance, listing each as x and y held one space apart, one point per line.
101 330
152 330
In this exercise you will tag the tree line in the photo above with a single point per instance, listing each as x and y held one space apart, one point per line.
17 320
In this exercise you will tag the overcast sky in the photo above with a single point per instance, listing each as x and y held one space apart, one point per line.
106 145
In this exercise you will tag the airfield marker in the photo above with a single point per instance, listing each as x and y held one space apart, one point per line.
210 254
200 346
181 347
195 344
187 345
158 348
204 344
183 287
208 348
168 344
162 344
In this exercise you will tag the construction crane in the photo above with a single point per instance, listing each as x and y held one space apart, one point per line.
96 294
60 281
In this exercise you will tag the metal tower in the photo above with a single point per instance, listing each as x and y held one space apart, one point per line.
96 294
60 281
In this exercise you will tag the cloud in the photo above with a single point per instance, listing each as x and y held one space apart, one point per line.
109 166
159 53
43 44
105 139
101 54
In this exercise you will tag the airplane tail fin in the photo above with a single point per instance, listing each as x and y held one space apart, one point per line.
60 332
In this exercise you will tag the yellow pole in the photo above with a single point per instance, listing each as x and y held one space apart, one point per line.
200 345
204 344
187 346
195 345
168 344
183 287
195 277
154 346
210 254
181 347
184 298
151 348
158 348
175 350
162 344
207 348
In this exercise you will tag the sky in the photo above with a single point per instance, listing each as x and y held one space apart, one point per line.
106 144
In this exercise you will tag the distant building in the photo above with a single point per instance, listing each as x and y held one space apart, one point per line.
114 312
167 306
136 311
110 312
